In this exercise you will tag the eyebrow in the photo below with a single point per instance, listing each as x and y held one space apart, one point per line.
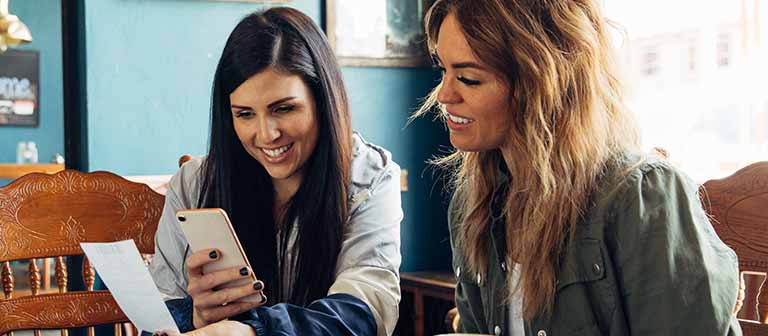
461 65
271 105
466 65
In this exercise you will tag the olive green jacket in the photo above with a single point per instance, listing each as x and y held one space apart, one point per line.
645 260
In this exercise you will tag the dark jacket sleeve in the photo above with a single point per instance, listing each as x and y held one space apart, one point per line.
337 314
181 311
470 320
675 275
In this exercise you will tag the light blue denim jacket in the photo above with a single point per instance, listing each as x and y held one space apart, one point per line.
369 261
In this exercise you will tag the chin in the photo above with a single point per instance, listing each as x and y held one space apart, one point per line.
279 175
463 145
467 145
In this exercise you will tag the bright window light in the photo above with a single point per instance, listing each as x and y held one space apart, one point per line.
695 74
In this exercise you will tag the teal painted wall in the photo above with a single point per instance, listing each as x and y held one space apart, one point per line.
43 18
149 70
382 99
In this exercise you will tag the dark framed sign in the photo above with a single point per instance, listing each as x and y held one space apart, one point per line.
380 33
19 88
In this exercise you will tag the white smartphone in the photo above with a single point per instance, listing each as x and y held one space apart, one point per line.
211 228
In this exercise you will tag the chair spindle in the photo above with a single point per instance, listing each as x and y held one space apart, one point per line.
34 277
7 279
61 281
61 274
34 282
89 276
7 275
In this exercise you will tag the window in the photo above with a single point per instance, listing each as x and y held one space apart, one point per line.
692 57
650 62
723 50
695 75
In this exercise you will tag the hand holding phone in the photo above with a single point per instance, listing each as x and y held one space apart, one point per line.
221 281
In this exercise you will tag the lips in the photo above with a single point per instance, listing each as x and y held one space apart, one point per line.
276 152
456 117
456 122
459 120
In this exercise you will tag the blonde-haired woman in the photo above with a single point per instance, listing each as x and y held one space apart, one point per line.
559 226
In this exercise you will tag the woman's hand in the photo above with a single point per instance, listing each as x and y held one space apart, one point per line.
223 328
215 305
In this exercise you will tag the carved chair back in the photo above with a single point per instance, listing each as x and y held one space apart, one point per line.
738 207
47 216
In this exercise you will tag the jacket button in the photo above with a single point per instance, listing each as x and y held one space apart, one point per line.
541 333
596 268
458 271
504 266
497 330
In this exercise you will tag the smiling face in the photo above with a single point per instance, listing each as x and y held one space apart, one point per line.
274 116
475 99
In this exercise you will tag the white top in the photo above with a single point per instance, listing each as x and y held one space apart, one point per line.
516 322
369 262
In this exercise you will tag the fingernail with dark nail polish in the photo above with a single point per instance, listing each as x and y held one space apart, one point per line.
244 271
263 299
258 285
213 255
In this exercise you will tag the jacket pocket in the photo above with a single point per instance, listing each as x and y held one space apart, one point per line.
581 299
583 263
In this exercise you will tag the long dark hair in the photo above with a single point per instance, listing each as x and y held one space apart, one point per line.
286 40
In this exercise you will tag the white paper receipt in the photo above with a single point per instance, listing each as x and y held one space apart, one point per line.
121 268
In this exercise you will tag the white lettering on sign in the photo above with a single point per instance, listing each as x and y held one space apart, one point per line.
15 88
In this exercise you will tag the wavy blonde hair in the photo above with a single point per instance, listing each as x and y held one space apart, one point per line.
569 121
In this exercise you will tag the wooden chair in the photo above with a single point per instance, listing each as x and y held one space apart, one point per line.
184 158
423 290
738 207
43 216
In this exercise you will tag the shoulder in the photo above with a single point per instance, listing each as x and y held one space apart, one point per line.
372 167
643 178
185 184
648 197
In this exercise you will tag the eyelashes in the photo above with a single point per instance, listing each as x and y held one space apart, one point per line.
243 114
282 109
465 80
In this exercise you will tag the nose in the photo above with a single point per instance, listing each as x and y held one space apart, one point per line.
267 130
447 93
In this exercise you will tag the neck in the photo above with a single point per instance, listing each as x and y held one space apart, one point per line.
285 189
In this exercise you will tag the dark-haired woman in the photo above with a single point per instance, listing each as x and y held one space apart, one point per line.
316 208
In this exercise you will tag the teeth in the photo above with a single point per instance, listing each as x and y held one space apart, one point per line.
276 152
458 120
